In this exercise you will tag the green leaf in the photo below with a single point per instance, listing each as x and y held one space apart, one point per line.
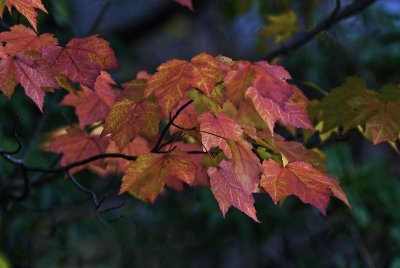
281 26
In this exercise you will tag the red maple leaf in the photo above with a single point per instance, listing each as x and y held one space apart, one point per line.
28 69
77 145
26 8
229 191
82 60
21 38
92 106
216 130
300 179
246 165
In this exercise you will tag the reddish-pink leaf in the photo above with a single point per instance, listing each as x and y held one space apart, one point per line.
186 3
229 192
21 38
31 72
128 119
246 165
147 175
92 106
82 60
3 53
300 179
186 119
77 145
216 130
291 111
27 9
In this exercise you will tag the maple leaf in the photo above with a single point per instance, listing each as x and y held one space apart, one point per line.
246 165
28 69
300 179
21 38
77 145
92 106
127 119
25 7
147 175
82 60
216 130
3 53
380 117
186 3
281 26
229 192
336 108
175 77
289 150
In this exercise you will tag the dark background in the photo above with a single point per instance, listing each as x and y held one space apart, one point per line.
56 226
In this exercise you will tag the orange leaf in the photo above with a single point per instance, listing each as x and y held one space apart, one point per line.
21 38
127 119
27 9
147 175
300 179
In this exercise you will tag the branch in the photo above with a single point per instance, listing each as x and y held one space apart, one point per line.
302 38
20 163
169 124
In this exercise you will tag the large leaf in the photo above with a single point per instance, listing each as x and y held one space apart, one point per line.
77 145
147 175
300 179
82 60
229 191
216 130
92 106
26 8
21 38
127 119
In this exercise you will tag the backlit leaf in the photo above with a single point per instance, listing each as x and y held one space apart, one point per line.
147 175
77 145
300 179
216 130
26 8
128 119
21 38
229 192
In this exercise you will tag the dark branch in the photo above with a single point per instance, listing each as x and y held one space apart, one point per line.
169 124
23 165
304 37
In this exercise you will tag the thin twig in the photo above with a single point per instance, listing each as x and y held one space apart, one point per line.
169 124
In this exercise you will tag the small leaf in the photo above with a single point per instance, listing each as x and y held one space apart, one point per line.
281 27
